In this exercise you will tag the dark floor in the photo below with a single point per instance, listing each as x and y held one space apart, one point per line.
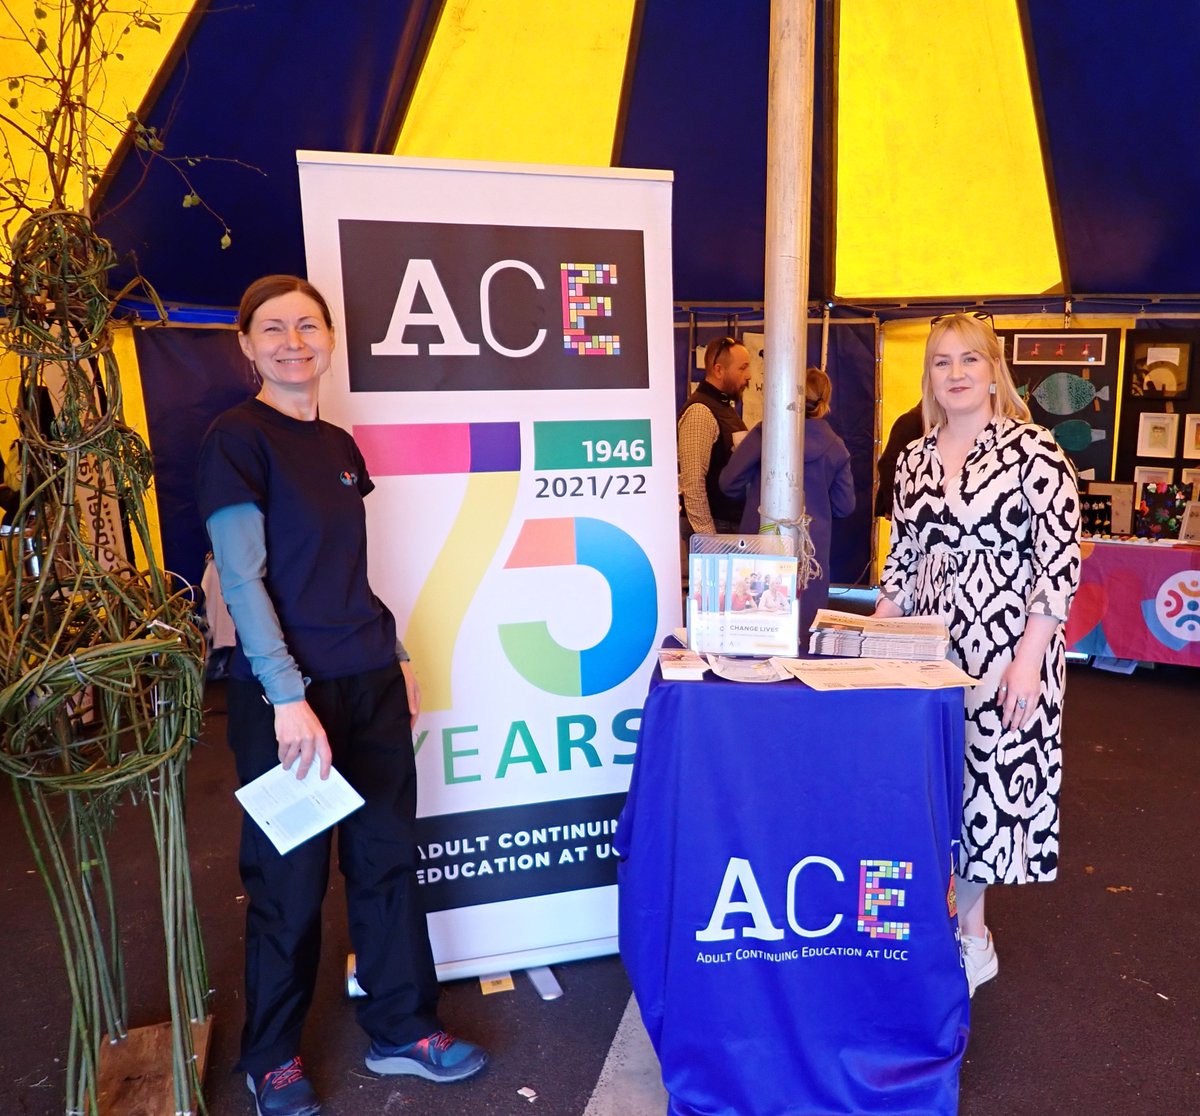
1095 1009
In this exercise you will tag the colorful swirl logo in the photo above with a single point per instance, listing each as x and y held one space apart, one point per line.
529 646
1178 605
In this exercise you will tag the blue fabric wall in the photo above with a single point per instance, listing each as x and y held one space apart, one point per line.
189 376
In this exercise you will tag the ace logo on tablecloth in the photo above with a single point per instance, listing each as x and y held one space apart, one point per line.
877 893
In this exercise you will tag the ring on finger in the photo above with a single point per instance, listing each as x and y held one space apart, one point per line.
1021 703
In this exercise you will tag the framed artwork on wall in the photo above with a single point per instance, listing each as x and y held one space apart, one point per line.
1096 514
1191 436
1161 369
1159 511
1069 382
1157 434
1151 474
1192 477
1060 347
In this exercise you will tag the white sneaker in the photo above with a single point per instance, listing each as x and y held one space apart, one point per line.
979 959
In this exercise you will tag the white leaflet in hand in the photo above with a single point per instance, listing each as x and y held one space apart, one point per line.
290 810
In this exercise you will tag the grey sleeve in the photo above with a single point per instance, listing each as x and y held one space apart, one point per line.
239 541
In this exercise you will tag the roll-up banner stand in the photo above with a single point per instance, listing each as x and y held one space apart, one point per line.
504 360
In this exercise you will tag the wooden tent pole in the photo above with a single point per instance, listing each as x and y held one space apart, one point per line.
789 189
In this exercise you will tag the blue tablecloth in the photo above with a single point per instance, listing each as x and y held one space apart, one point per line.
785 915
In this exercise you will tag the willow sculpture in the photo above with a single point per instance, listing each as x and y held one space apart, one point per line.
100 662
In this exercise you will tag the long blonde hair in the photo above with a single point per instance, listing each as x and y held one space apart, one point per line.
976 335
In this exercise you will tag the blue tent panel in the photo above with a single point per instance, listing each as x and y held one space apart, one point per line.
255 84
1121 111
698 106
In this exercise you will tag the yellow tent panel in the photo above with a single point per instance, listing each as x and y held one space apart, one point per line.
535 81
940 186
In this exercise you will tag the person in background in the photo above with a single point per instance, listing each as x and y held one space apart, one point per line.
985 535
315 679
707 427
907 428
828 486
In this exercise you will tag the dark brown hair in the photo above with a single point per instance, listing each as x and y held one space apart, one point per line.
272 286
715 350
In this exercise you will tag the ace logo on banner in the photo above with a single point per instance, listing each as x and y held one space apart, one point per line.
485 308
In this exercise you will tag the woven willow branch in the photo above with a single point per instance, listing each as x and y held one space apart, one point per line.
101 673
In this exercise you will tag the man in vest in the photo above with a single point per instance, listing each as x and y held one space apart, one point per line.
707 425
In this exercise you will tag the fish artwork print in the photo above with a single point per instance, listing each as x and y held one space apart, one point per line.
1064 393
1075 435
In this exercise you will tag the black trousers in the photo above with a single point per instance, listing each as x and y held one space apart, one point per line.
366 718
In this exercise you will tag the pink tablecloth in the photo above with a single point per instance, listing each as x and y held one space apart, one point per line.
1138 601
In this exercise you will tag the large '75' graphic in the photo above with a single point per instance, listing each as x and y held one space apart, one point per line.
490 453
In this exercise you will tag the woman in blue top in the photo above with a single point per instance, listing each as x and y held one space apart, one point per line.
315 678
828 486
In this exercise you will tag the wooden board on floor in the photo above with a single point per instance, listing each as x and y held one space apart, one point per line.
135 1074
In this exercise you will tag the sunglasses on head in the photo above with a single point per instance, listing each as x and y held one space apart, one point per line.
978 315
723 346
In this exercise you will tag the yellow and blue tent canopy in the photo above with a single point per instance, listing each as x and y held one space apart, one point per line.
1000 152
992 149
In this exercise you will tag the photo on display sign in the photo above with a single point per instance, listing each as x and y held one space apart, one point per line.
1157 434
1160 368
742 595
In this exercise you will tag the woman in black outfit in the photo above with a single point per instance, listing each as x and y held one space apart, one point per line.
317 677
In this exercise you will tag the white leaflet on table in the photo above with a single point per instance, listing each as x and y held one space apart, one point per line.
876 674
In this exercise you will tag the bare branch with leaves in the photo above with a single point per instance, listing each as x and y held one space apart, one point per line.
54 102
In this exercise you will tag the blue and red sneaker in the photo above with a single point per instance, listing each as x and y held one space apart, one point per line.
437 1057
284 1091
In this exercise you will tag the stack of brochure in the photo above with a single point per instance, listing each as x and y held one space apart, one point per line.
678 664
850 635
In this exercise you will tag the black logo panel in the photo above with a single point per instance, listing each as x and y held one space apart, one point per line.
438 307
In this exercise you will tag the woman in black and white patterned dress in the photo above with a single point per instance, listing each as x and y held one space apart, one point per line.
985 534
